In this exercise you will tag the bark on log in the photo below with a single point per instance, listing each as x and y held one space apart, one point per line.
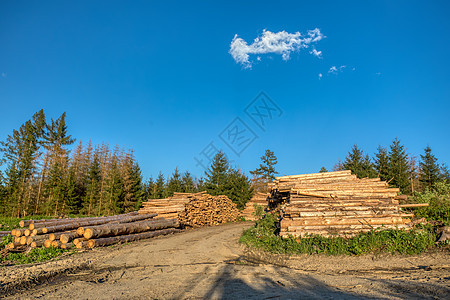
68 237
54 222
76 224
128 228
129 238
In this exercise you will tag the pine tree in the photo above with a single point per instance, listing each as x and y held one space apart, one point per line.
174 184
217 175
429 169
266 169
399 168
381 163
187 183
323 170
338 166
359 163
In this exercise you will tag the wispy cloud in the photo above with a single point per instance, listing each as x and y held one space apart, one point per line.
4 74
283 43
336 70
320 76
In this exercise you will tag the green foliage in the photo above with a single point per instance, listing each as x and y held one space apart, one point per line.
266 169
359 163
221 179
174 184
217 175
35 255
429 169
265 236
381 163
438 199
5 240
398 168
323 170
239 188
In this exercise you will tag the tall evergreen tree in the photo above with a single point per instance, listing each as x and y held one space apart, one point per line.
429 169
381 163
239 188
266 169
93 186
217 175
359 163
160 186
187 183
399 169
150 189
445 173
174 184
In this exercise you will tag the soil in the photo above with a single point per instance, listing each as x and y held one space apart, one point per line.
209 263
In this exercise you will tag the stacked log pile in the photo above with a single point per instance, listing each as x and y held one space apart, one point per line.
168 207
90 231
205 209
248 213
336 203
194 209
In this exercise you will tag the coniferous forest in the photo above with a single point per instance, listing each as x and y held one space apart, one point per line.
45 171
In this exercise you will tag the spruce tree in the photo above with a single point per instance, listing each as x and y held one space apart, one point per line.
266 169
174 184
150 189
445 173
429 169
381 163
399 169
187 183
238 188
92 186
323 170
217 175
359 163
160 186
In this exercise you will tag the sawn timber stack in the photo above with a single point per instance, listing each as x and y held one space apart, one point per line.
248 213
335 203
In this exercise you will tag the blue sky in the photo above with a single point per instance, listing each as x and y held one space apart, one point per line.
158 77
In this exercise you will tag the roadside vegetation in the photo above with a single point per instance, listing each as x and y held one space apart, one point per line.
264 236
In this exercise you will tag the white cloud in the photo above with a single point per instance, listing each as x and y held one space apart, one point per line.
282 43
320 76
336 70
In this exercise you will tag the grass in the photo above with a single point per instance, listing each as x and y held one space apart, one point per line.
265 236
34 256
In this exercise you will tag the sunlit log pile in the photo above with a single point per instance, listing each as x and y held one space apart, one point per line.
89 232
336 203
194 209
248 213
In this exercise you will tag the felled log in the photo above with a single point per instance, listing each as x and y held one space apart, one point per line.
128 228
76 224
53 222
128 238
68 237
66 245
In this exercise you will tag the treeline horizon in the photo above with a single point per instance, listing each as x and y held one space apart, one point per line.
42 176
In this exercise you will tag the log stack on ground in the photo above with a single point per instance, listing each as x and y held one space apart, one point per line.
77 232
168 207
208 210
194 209
258 199
335 203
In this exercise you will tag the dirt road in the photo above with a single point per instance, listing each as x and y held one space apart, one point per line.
208 263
